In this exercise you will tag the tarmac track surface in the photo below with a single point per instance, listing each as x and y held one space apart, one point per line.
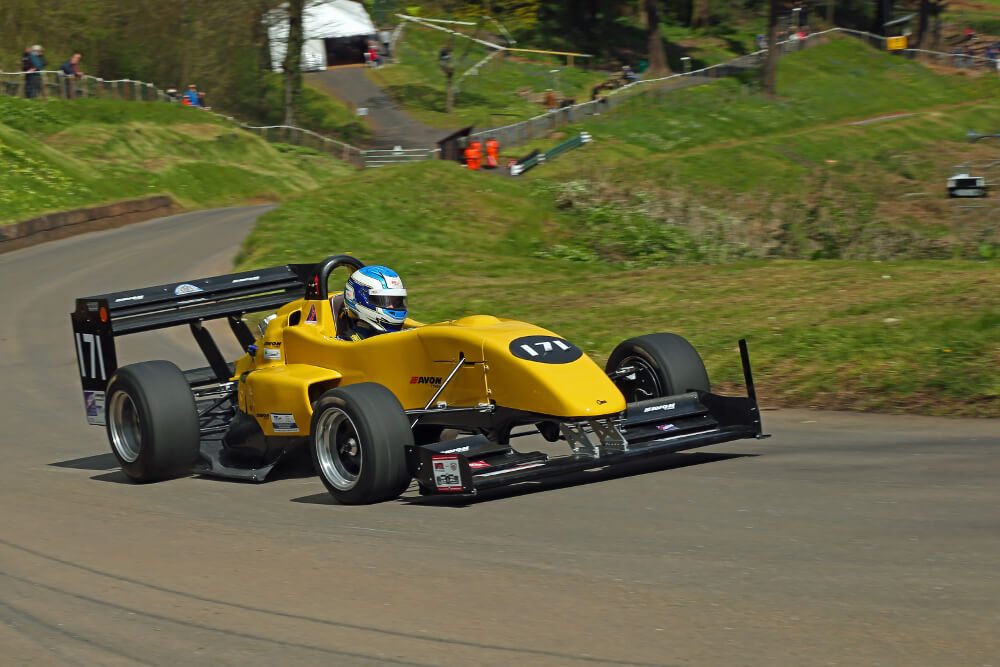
846 539
391 125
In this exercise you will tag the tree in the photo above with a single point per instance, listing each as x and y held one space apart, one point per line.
929 9
883 14
447 65
292 65
699 13
769 73
654 40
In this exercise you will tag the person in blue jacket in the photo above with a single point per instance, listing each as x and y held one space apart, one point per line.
192 96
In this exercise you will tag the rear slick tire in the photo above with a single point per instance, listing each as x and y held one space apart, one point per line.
358 443
152 421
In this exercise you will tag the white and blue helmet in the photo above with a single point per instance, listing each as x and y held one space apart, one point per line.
376 296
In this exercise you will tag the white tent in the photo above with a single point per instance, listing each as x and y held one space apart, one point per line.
339 20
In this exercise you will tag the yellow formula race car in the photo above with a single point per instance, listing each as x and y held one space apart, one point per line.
372 412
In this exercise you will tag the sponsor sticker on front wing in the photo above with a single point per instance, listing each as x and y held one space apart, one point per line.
447 473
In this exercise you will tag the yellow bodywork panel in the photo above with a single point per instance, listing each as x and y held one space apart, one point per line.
299 356
278 396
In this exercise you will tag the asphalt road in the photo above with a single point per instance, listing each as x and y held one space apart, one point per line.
391 125
844 540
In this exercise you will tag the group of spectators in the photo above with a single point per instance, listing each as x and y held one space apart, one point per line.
970 47
192 97
33 63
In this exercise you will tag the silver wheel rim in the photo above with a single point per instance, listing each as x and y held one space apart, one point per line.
338 448
642 383
126 432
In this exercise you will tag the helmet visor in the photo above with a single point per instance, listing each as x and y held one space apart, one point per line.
387 301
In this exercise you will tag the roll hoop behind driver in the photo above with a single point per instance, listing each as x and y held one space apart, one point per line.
374 303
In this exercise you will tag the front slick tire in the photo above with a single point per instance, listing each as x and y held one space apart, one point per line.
358 441
152 421
665 365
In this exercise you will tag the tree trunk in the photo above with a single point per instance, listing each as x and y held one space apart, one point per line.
263 47
654 40
447 66
925 10
883 14
292 65
449 91
699 13
769 73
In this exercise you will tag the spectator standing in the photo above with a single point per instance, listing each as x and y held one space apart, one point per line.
26 67
33 63
71 73
492 153
191 97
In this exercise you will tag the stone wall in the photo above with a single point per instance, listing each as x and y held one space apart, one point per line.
69 223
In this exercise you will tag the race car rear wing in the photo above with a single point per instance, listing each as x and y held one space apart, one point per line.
98 320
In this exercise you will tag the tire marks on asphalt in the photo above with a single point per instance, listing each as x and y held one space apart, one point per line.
340 625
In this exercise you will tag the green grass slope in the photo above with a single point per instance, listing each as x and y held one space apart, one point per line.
58 155
505 90
901 336
850 162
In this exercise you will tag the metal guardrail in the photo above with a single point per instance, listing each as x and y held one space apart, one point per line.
568 145
382 157
537 158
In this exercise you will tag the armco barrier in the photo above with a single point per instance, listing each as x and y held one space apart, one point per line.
535 158
69 223
383 157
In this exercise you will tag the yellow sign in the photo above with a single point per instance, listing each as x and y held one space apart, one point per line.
896 43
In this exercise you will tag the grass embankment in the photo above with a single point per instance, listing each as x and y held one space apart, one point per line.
58 155
826 171
510 87
918 336
318 112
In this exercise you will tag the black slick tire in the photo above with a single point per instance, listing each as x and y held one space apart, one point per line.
358 441
152 421
669 363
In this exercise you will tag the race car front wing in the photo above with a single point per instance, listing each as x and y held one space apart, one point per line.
646 428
